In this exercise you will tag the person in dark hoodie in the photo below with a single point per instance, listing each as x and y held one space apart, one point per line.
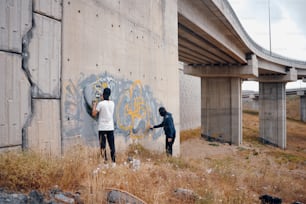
169 129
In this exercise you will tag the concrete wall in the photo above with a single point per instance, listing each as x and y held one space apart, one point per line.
15 108
190 101
15 101
51 71
131 47
42 63
43 133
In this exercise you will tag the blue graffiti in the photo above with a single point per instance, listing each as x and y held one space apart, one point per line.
135 107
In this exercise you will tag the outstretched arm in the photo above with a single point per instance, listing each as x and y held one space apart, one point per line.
157 126
94 110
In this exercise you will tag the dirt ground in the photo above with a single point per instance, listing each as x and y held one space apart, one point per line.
281 173
200 148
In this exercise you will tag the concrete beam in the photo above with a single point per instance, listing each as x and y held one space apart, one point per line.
195 40
268 65
196 13
244 71
300 93
291 75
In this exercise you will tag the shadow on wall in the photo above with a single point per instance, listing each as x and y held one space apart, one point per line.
135 108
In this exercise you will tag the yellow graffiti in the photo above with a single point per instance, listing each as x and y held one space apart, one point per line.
135 137
132 88
104 85
136 109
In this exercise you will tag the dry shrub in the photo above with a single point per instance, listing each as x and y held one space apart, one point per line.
137 150
230 180
293 107
190 134
240 176
250 112
23 171
290 160
76 166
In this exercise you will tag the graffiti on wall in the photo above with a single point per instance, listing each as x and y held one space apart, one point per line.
135 107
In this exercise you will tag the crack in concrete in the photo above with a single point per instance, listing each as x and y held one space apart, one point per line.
25 57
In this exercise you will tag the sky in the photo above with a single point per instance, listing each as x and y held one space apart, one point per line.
287 28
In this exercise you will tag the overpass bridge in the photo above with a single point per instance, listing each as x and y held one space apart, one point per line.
214 46
253 97
55 55
293 91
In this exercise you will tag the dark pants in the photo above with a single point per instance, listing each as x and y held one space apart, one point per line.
169 145
111 142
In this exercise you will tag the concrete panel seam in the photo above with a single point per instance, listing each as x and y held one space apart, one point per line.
8 146
43 14
9 51
46 98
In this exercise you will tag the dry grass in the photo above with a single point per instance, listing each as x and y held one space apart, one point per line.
23 171
190 134
293 107
216 173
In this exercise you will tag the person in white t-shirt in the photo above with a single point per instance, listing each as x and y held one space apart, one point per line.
105 108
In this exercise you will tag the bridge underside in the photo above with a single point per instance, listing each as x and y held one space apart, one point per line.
211 49
197 48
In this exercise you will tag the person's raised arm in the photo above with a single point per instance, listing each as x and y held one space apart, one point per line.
157 126
94 111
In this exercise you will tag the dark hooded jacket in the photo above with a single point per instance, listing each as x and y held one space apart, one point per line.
168 125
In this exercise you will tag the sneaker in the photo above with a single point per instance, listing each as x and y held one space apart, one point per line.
114 164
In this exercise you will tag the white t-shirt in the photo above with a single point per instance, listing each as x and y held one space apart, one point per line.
106 113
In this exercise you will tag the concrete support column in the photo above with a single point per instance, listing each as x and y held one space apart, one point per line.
303 108
272 113
221 109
